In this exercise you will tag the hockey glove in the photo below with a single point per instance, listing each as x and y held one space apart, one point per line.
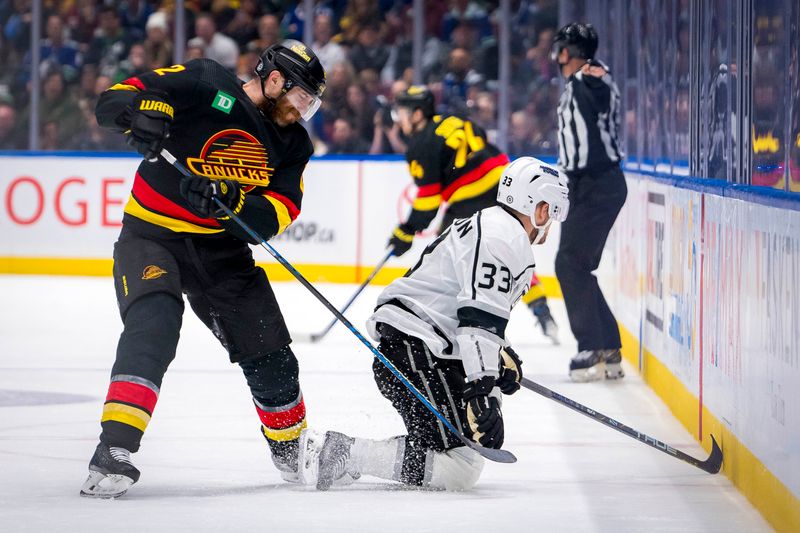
510 371
401 240
198 192
483 412
151 116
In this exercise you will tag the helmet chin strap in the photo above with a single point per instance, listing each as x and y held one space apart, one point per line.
541 231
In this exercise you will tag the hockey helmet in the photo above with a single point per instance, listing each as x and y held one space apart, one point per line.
526 182
301 69
417 97
580 39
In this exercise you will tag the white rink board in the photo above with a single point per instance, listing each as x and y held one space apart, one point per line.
71 207
709 286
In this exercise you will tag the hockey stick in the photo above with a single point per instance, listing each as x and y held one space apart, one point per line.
710 465
314 337
499 456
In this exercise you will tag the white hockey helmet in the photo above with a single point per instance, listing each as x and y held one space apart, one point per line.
527 181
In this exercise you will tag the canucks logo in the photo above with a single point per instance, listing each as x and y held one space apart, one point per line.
233 154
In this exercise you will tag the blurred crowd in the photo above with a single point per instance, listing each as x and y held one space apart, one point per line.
364 45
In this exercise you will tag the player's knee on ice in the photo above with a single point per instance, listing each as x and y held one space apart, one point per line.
456 470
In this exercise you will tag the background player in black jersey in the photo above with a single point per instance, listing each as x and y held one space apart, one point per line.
451 161
175 240
589 153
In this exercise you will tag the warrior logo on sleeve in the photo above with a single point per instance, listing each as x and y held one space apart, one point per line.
233 154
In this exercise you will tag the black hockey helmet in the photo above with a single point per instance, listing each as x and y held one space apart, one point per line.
580 39
417 97
299 65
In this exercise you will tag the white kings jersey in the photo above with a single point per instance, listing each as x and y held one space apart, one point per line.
459 295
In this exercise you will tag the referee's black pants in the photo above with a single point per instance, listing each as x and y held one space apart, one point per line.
596 199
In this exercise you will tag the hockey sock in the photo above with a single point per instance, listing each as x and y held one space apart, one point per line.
281 426
127 411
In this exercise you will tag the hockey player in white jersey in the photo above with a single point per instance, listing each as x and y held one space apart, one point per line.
443 326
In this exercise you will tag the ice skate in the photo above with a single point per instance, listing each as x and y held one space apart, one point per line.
594 365
542 313
312 444
285 459
111 473
613 360
334 461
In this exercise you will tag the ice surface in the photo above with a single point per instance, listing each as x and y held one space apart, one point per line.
205 466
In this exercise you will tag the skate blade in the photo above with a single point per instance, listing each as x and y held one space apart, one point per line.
585 375
105 486
310 444
614 371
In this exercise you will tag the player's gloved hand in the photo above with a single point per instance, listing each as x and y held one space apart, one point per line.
151 116
484 417
199 190
510 371
401 240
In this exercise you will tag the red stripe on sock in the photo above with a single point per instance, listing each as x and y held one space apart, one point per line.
283 419
132 393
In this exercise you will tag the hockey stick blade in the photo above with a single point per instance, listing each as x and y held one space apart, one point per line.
711 465
500 456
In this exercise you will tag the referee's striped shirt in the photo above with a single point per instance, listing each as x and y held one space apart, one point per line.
588 123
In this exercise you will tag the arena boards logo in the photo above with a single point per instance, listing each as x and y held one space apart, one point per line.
234 155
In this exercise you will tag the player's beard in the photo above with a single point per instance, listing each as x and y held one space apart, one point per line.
283 113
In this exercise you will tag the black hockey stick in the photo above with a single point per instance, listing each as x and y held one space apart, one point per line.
710 465
499 456
314 337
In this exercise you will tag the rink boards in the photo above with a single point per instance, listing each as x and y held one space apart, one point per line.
705 287
703 283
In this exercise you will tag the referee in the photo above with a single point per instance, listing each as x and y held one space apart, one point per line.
589 153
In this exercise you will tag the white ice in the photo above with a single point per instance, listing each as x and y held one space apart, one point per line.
205 466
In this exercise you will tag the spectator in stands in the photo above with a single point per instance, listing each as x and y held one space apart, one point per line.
194 50
484 113
134 64
520 134
247 63
369 52
345 139
269 33
157 46
56 49
460 77
243 27
216 46
59 115
111 43
17 29
82 18
387 137
329 53
134 16
466 11
361 110
359 14
9 138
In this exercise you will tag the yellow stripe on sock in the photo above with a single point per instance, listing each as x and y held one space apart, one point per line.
125 414
282 435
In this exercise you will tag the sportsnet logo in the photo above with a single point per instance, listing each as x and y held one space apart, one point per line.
233 154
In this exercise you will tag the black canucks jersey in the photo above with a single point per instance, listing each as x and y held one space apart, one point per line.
217 132
451 161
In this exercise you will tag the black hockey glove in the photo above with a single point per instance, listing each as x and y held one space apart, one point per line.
483 413
510 371
401 240
151 116
198 192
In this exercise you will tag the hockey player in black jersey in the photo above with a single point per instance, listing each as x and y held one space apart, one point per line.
452 162
244 145
443 326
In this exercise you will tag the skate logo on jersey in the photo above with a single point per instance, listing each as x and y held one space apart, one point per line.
153 272
233 154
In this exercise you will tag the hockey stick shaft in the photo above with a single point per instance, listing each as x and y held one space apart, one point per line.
500 456
318 336
711 465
